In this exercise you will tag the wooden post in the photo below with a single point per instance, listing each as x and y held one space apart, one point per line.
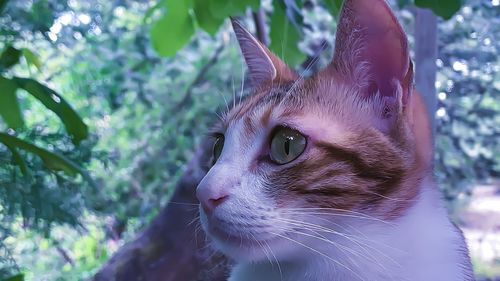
425 60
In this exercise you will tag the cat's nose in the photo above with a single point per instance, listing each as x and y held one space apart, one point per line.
210 199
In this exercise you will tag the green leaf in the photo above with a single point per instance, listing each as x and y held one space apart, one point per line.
51 160
253 4
334 6
42 15
443 8
205 19
9 105
10 57
284 36
174 29
31 58
3 3
224 8
53 101
17 277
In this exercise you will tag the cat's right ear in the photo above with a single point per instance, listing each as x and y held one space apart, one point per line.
263 65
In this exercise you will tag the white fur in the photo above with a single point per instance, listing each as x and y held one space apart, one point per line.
422 245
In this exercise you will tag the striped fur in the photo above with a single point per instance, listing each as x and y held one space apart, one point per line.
359 203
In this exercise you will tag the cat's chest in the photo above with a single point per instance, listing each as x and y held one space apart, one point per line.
313 272
368 264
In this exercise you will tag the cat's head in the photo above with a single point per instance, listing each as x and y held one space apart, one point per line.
336 147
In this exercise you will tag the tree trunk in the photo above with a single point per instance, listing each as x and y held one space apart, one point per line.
172 248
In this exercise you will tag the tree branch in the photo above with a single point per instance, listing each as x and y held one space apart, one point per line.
201 76
65 255
259 19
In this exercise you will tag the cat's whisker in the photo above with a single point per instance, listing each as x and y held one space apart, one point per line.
242 84
196 218
207 245
320 253
358 231
324 208
197 229
391 198
351 238
337 210
365 238
225 101
212 254
302 75
184 203
323 238
343 248
355 241
277 262
317 227
234 91
364 217
215 266
221 118
262 247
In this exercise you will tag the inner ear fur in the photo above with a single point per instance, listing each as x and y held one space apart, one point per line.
371 51
264 66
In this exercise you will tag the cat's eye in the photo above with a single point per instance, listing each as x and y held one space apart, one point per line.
287 145
217 149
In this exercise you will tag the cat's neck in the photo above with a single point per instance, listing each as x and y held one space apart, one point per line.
420 245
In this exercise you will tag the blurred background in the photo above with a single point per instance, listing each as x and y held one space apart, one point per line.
103 103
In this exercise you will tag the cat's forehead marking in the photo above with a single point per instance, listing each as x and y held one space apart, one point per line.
261 97
285 105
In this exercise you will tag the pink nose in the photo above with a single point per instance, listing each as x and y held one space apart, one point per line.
210 199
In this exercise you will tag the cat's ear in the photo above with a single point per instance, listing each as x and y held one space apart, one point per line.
371 48
263 65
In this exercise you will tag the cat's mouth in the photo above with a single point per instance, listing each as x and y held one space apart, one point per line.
248 237
243 237
237 234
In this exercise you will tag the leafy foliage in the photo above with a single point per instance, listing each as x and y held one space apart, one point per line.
174 29
56 103
29 192
468 118
10 57
9 105
443 8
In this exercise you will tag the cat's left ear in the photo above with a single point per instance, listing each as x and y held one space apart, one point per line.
371 48
264 66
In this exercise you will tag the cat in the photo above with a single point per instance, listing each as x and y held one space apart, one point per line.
329 177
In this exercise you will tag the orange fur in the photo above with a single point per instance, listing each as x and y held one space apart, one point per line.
419 120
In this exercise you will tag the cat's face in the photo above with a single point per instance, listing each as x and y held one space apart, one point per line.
299 154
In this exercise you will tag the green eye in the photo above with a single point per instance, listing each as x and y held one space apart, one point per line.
286 145
217 150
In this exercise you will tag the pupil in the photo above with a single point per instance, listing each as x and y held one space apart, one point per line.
287 146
